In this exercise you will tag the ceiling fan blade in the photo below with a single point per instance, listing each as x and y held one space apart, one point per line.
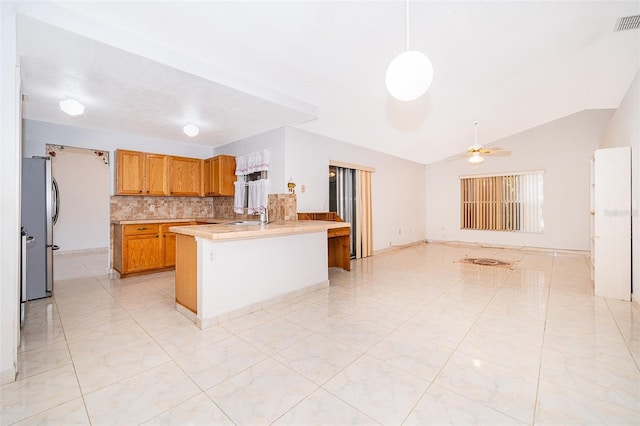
457 156
499 153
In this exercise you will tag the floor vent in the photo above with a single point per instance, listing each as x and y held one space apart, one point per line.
486 262
628 23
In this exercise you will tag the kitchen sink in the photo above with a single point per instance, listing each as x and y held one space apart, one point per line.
244 222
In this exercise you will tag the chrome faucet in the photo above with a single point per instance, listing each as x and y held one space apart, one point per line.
263 212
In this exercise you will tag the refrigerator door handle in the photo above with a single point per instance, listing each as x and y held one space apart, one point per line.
56 201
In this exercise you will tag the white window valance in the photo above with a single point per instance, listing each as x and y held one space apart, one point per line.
253 162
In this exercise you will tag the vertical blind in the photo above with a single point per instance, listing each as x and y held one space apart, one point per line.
364 223
511 202
353 188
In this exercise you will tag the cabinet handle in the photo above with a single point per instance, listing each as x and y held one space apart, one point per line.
142 229
139 192
156 236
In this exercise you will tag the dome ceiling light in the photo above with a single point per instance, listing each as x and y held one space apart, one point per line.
72 107
410 73
191 130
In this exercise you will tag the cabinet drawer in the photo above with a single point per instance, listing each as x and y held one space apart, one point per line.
337 232
140 229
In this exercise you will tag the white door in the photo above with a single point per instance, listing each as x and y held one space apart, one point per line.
612 228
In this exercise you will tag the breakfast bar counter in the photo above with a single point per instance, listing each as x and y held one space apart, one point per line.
229 269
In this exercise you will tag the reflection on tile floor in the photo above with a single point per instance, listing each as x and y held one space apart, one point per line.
407 337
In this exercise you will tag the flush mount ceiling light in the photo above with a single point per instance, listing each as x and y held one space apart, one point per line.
72 107
191 130
410 73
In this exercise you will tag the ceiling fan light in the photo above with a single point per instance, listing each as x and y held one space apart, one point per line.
476 158
191 130
409 75
72 107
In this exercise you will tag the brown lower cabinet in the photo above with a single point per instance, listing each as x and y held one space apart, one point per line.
144 248
338 239
187 272
169 246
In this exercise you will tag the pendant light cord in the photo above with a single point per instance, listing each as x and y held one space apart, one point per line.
407 25
475 126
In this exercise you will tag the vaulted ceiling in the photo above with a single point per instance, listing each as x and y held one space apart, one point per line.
239 68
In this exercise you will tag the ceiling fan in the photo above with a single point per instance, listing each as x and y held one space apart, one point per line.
476 153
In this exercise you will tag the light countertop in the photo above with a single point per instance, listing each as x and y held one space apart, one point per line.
226 231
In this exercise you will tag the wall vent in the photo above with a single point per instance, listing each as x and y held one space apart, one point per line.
628 23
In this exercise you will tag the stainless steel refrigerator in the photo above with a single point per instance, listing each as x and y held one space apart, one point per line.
40 209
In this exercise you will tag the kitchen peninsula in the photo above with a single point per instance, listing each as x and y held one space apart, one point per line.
225 270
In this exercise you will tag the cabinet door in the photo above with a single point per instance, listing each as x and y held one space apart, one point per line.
224 175
156 174
207 177
141 252
169 244
187 272
129 172
185 176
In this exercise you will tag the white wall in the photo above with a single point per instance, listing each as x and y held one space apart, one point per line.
274 142
10 172
561 149
83 180
398 190
624 130
36 134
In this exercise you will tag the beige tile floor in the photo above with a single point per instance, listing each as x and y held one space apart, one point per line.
407 337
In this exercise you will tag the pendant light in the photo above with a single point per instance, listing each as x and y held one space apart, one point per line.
410 74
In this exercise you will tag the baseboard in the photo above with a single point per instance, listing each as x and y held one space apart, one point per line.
394 248
99 250
227 316
8 376
509 247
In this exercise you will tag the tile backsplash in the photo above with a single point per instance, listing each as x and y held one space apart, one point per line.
281 207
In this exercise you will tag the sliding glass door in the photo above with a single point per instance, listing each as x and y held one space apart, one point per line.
342 198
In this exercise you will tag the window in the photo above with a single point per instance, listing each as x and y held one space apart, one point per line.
511 202
252 185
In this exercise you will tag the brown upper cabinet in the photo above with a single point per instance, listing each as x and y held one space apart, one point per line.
219 175
157 174
141 173
185 176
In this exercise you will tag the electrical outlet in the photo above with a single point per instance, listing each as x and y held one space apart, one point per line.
399 231
302 188
152 207
210 206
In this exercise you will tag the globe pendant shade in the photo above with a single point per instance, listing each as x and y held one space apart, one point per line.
409 75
